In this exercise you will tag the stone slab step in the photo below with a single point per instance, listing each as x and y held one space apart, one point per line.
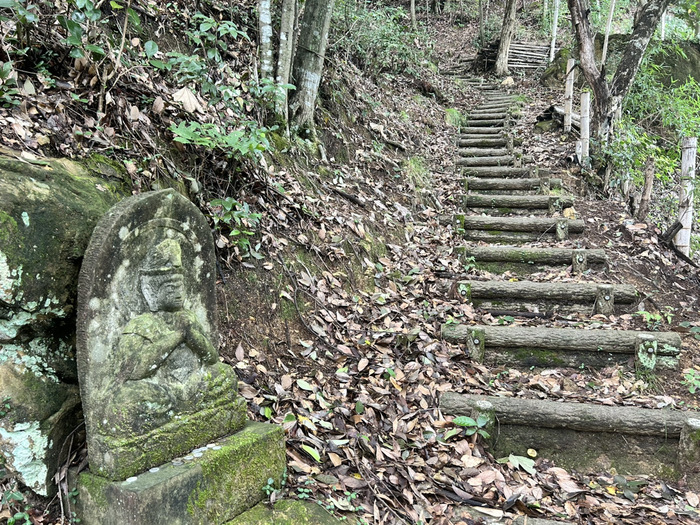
562 298
588 437
488 185
516 229
524 260
550 203
483 152
525 347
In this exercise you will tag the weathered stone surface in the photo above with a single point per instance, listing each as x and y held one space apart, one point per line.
226 480
47 213
287 512
151 382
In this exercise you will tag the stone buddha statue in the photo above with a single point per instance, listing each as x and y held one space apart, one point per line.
164 364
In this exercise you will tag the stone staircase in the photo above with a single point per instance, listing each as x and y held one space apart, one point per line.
517 217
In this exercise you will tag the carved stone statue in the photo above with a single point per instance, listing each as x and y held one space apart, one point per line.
152 385
164 364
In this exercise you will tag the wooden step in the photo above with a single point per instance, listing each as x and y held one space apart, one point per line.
501 160
487 186
500 171
482 142
523 260
562 298
491 106
483 152
516 229
479 123
564 347
506 203
588 437
478 115
494 130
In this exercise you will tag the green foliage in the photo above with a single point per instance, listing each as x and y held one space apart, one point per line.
241 223
454 117
470 426
12 500
246 141
378 38
8 85
5 406
527 464
691 379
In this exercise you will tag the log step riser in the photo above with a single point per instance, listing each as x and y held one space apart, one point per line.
532 202
484 185
584 437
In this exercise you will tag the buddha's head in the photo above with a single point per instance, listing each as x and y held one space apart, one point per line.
162 280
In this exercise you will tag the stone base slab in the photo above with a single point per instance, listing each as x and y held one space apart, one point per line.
287 512
206 487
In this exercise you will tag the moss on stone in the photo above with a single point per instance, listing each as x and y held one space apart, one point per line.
226 491
287 512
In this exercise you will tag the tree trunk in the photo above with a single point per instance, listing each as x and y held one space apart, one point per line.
645 200
607 97
481 24
286 52
413 14
308 63
507 32
265 28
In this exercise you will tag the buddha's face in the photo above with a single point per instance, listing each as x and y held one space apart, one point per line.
167 293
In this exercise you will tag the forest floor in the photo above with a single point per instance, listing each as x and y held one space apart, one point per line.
335 333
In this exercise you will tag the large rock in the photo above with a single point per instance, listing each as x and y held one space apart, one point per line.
48 210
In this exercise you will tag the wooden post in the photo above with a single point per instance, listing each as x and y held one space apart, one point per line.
579 261
585 126
604 300
555 25
476 344
685 202
569 94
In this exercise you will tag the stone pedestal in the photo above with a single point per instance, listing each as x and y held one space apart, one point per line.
205 487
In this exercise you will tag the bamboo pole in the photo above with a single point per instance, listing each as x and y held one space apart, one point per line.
663 26
607 31
568 94
685 204
555 25
585 126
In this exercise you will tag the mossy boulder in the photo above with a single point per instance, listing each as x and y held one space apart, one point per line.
48 209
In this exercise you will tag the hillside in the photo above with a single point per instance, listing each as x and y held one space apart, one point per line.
333 298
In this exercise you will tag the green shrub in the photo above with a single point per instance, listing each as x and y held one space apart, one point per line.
378 38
